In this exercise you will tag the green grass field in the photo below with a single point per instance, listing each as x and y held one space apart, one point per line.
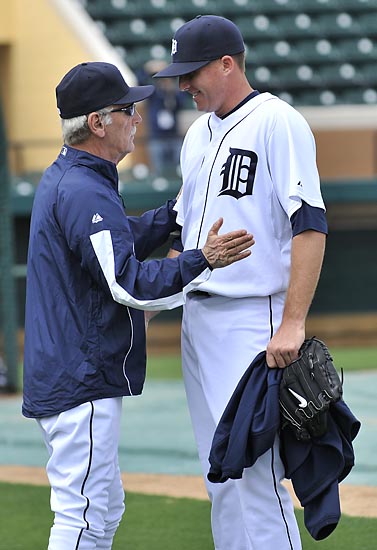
350 359
168 367
152 522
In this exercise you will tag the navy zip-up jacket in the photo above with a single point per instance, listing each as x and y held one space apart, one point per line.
87 284
248 427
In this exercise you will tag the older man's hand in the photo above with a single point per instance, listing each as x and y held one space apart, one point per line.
223 250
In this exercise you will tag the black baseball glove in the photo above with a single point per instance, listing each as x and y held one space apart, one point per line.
308 387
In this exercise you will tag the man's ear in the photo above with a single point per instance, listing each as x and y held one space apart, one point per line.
96 124
227 63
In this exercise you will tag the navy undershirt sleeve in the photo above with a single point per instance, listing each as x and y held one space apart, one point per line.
309 217
177 244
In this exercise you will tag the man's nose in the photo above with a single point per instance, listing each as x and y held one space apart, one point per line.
184 83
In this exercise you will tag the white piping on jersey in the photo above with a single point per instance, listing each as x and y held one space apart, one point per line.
279 500
89 468
128 352
210 172
103 248
271 316
209 128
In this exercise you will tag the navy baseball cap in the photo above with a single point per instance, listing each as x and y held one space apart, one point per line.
91 86
200 41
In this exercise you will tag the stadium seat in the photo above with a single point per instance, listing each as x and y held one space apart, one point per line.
186 10
342 24
368 23
136 56
368 74
317 97
130 31
257 27
324 6
273 52
296 25
284 77
106 10
340 74
316 50
356 6
358 49
270 7
359 96
299 76
155 7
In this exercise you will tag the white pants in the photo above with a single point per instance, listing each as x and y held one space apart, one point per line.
220 338
87 495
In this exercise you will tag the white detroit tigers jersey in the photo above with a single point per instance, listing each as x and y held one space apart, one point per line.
252 168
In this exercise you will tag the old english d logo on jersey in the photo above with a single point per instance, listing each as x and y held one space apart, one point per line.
239 173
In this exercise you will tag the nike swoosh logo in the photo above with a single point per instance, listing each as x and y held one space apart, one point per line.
301 400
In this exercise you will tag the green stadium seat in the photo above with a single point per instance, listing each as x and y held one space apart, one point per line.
269 7
273 52
285 77
299 76
356 6
129 31
316 50
196 7
358 49
324 6
340 74
368 74
312 96
359 96
104 10
257 27
136 56
155 7
296 25
368 24
342 24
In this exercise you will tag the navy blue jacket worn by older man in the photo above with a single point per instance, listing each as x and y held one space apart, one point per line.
87 284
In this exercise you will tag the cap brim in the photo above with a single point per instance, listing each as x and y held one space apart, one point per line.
135 94
180 69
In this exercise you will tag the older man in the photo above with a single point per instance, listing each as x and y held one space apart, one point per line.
87 286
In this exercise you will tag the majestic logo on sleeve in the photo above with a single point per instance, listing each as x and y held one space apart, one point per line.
97 218
239 173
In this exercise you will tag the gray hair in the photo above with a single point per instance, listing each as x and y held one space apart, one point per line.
76 130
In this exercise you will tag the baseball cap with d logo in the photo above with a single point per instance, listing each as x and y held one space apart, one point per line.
200 41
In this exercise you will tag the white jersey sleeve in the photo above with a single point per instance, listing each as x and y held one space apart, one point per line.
291 157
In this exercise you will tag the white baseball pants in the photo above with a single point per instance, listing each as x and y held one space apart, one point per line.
87 495
220 338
